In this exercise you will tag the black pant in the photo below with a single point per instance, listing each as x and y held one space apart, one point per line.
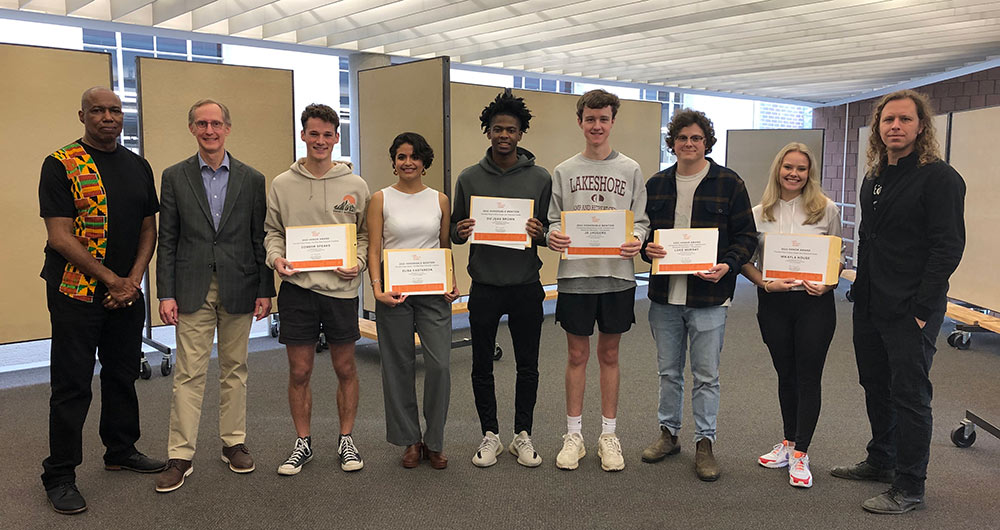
797 328
894 363
523 305
78 329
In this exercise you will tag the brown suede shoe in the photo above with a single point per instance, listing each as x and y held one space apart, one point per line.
411 457
705 465
238 457
172 477
437 458
663 447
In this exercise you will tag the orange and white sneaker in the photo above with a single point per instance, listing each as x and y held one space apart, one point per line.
778 457
798 470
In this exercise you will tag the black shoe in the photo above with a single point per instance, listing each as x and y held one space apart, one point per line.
864 471
137 462
893 502
66 499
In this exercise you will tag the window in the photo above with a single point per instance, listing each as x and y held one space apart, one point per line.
166 44
100 38
207 49
137 42
549 85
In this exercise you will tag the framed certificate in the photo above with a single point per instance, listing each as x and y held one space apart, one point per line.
417 271
501 221
596 233
321 247
801 257
689 250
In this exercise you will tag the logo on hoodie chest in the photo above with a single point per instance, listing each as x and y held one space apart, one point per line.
347 205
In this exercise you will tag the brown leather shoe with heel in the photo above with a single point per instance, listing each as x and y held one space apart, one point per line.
436 458
411 457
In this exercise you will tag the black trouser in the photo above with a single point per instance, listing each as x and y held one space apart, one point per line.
797 328
523 305
78 329
894 363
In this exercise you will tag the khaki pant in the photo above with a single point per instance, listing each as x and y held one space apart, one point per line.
195 334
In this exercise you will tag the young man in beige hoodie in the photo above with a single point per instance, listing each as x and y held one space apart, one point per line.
317 190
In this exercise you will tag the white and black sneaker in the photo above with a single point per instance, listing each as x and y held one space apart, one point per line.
300 456
350 459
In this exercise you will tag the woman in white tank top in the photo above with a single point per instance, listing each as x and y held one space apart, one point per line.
410 215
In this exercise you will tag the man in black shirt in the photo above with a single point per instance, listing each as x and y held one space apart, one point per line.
911 239
99 206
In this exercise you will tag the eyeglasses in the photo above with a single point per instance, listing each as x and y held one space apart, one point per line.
202 124
694 139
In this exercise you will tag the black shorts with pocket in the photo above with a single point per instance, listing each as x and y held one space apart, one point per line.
613 312
302 310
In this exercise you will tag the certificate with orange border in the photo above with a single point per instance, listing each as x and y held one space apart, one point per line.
417 271
596 233
321 247
501 221
801 257
689 250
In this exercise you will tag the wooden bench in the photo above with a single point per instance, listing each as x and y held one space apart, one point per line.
972 317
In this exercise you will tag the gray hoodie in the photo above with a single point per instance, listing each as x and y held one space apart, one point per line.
298 198
524 180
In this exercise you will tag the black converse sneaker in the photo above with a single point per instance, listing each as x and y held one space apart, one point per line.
300 456
350 459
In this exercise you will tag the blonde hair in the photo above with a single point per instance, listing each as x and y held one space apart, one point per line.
926 145
812 193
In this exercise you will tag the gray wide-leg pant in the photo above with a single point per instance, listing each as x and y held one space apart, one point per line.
430 316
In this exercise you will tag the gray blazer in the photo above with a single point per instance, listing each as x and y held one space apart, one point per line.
190 248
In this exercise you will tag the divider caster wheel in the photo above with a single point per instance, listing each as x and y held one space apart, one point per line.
958 437
960 339
497 352
145 371
321 345
165 367
273 328
849 295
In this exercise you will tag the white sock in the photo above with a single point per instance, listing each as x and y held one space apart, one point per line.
608 425
574 424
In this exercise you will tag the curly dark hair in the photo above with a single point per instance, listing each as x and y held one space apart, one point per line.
323 112
421 149
686 117
506 103
598 99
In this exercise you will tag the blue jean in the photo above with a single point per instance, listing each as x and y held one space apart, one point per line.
704 327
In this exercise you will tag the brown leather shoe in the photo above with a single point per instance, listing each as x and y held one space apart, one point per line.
238 457
172 477
437 458
665 445
411 457
705 465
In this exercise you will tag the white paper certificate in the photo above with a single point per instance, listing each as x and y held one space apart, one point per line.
321 247
596 233
801 257
501 221
689 250
417 271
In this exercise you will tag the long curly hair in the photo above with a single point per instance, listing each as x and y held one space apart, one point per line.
926 145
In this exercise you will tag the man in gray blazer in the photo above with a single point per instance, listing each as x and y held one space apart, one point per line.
210 273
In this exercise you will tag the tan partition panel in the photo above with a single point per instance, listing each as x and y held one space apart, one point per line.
399 98
260 102
553 136
864 133
973 155
42 89
750 152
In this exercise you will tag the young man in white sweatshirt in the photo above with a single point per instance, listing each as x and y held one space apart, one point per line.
600 290
317 190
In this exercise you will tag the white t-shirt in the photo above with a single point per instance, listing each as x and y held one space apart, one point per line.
790 218
686 186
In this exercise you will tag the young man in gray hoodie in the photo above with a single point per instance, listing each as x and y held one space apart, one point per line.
317 190
504 280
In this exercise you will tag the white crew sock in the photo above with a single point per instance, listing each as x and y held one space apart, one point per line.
608 425
574 424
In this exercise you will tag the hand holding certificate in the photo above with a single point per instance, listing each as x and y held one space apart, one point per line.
596 233
501 221
417 271
688 250
807 257
321 247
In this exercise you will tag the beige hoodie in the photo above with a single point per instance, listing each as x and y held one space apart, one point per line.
298 198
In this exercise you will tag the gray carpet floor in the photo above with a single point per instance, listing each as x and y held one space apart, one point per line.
962 488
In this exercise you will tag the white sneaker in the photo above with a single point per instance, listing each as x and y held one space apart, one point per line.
524 450
778 457
609 449
798 470
489 449
572 451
